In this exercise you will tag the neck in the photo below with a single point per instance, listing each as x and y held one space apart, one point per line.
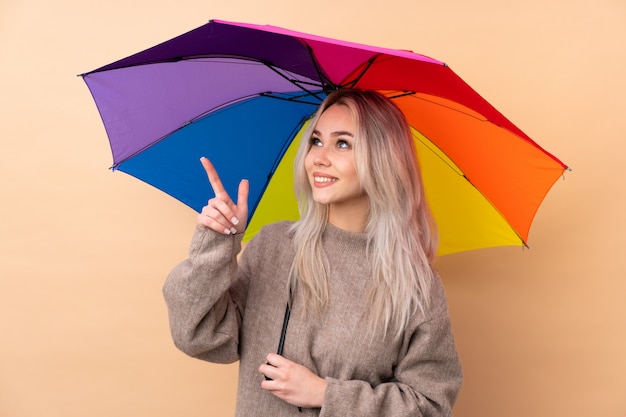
350 218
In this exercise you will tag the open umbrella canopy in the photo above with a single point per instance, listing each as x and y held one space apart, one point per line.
240 94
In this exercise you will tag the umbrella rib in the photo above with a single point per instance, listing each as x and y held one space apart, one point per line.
286 145
327 84
402 94
352 83
299 84
219 107
278 159
185 124
429 145
295 99
482 119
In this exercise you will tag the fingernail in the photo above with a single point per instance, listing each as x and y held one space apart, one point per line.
227 231
233 230
234 221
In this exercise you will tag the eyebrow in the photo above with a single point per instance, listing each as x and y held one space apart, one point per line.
337 133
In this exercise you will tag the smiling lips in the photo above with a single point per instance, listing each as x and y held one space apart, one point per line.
323 180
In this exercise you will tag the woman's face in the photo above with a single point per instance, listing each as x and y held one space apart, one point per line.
330 162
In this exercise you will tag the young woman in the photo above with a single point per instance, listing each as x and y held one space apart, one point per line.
369 332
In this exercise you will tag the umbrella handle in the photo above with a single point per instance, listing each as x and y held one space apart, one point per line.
283 332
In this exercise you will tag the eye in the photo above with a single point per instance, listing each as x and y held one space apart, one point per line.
343 144
314 141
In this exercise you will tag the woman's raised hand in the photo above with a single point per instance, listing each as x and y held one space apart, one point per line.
221 213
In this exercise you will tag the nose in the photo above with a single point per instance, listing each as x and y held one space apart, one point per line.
320 157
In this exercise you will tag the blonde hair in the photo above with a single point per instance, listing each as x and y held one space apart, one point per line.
401 234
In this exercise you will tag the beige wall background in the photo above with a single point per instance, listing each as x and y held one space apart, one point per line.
84 252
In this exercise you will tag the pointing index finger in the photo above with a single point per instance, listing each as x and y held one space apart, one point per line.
214 179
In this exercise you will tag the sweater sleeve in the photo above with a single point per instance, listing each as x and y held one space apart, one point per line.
426 380
204 315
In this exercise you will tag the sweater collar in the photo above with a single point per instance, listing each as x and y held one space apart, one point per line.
343 239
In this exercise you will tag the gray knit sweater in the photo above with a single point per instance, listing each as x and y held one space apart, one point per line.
222 311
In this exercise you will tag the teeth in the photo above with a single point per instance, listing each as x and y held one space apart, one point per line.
324 179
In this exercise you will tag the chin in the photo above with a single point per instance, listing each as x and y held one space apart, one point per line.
322 199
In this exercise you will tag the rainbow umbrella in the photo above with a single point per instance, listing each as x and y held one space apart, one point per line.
240 94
